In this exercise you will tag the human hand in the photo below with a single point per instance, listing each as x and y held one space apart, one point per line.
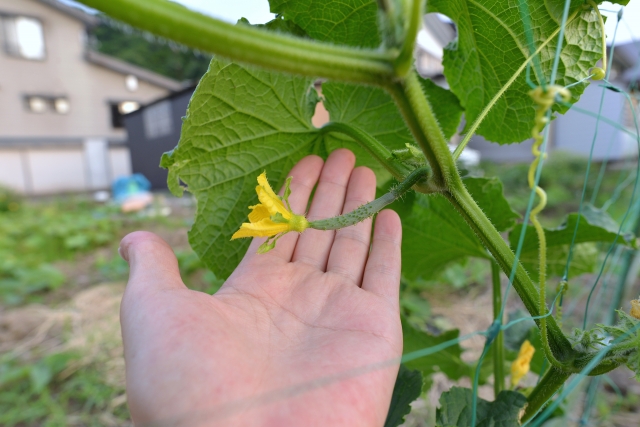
263 350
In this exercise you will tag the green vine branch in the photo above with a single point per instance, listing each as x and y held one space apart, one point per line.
246 44
374 147
404 61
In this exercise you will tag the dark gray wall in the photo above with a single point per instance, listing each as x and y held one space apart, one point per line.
146 152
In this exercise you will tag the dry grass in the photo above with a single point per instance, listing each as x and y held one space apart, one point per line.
88 324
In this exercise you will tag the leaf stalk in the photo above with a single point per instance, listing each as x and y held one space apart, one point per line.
374 147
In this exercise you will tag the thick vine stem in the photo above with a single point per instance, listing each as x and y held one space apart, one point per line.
371 208
418 115
484 229
244 43
544 390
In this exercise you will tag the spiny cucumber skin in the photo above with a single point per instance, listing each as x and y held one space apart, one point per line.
371 208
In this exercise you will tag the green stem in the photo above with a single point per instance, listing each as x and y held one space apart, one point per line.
490 237
419 116
378 151
420 119
404 61
544 391
244 43
371 208
498 345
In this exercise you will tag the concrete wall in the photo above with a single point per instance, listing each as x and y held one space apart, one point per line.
574 132
63 168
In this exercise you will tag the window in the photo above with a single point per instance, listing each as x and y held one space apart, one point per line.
41 104
131 83
157 120
61 105
119 109
24 37
37 104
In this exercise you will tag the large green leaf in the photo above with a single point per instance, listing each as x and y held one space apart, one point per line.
407 389
584 259
456 409
278 25
489 195
434 233
492 46
347 22
447 361
240 122
595 226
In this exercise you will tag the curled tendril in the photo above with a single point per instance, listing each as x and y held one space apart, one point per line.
544 99
598 73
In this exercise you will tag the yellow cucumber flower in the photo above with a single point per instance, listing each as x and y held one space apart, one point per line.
521 365
635 308
271 218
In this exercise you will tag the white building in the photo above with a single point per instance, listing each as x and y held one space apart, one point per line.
60 103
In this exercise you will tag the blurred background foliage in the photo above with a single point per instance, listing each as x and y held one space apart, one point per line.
148 51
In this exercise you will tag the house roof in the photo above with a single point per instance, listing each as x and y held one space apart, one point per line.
123 67
79 14
187 89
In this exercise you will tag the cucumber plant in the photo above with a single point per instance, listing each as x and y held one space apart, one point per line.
513 66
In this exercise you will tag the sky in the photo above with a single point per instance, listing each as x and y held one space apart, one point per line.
257 12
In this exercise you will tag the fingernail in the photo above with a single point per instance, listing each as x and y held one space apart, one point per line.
122 254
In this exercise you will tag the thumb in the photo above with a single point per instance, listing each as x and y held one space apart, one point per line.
153 265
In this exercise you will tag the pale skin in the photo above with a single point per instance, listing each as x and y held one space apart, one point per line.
312 312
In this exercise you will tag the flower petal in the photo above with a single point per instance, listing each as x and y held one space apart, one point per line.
264 183
258 213
262 228
521 365
270 199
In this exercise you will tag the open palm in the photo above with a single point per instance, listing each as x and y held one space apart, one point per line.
306 335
